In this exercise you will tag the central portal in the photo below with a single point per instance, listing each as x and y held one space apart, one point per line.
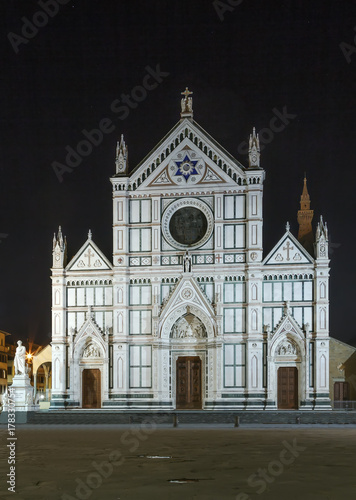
189 395
91 388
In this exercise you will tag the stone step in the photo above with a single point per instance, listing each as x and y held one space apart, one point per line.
102 417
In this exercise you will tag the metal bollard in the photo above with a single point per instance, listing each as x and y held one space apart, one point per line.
237 421
175 420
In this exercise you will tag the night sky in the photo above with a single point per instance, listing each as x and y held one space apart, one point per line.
244 62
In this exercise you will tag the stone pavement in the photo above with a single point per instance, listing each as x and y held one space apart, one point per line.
146 461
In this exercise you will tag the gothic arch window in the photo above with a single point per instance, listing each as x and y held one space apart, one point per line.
322 319
254 319
120 321
323 371
120 373
57 373
254 372
56 324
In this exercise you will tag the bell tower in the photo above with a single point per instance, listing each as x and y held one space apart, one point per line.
305 217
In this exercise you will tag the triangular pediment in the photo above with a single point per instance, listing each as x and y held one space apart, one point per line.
89 258
187 157
288 251
288 333
88 332
187 292
286 325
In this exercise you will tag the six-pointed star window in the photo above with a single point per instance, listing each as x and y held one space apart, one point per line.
186 167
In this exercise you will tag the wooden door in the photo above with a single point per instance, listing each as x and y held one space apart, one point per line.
287 388
189 383
91 388
341 391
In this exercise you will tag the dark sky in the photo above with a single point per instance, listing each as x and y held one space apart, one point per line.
258 57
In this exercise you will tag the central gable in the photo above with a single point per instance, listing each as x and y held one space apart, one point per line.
187 157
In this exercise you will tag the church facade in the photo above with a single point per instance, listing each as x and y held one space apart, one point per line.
189 313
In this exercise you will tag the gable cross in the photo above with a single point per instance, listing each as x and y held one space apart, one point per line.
288 247
187 92
89 255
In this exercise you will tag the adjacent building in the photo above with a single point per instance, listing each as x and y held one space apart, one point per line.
3 363
342 374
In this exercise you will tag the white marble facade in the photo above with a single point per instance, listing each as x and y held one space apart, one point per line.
189 278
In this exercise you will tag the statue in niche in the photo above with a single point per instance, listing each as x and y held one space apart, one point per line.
187 262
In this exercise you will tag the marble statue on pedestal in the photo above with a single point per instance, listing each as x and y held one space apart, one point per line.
20 359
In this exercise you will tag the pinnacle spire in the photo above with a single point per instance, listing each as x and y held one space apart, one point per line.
305 198
121 157
254 150
321 240
59 249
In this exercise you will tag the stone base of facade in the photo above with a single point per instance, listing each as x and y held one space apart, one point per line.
174 418
229 404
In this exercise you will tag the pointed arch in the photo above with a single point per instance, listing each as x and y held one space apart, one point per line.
57 374
322 371
120 323
322 319
254 319
120 373
56 324
254 372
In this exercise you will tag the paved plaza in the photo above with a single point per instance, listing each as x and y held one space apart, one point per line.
142 462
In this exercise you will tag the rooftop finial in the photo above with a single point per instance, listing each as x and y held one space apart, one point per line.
121 157
287 226
254 150
90 234
187 104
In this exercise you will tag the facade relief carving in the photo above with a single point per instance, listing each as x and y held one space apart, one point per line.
286 348
188 327
91 351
